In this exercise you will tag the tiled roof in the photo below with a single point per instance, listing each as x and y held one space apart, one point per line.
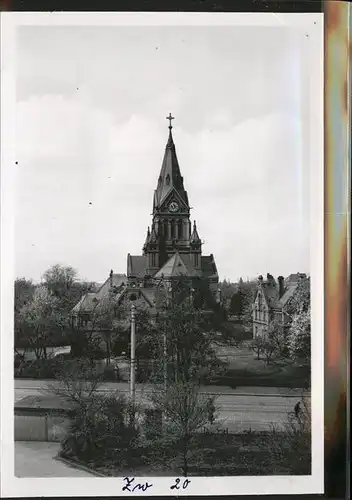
86 303
271 290
177 265
149 294
117 280
136 265
288 294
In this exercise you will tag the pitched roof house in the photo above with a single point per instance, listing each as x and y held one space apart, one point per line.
272 299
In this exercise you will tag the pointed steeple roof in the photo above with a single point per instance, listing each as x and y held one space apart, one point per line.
195 236
170 175
147 238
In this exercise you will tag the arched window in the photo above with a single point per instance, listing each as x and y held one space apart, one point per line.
172 229
260 302
180 232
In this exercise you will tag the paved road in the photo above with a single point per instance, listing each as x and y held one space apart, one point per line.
239 409
36 459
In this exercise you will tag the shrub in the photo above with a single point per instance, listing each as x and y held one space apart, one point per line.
52 367
99 430
290 448
38 368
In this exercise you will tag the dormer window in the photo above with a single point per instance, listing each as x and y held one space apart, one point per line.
167 179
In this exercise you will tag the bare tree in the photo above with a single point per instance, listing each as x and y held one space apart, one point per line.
75 383
258 346
186 411
269 349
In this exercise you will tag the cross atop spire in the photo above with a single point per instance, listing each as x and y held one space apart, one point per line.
170 117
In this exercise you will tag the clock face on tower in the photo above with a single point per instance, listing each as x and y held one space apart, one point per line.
173 207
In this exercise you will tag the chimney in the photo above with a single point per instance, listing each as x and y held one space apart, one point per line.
110 276
280 279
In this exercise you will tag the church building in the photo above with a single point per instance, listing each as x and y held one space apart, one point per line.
172 247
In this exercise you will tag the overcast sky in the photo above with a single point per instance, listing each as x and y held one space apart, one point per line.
91 134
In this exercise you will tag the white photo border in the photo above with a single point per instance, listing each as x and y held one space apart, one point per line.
306 24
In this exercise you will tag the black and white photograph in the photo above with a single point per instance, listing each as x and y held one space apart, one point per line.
163 202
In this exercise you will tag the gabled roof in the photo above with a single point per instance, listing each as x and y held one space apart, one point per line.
136 265
271 290
116 280
288 294
87 302
177 265
271 293
170 176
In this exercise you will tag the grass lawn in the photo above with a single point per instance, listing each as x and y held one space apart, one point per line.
245 370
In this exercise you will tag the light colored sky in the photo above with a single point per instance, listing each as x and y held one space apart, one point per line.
91 132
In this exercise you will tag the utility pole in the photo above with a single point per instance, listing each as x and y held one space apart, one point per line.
165 362
133 355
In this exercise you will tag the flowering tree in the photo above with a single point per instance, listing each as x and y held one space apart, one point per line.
40 321
299 336
299 330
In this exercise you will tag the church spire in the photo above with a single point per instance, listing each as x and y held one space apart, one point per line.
170 142
170 177
195 236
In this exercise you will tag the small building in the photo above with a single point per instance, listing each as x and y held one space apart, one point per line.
272 299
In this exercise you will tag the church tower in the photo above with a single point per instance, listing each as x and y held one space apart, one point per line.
172 246
171 230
